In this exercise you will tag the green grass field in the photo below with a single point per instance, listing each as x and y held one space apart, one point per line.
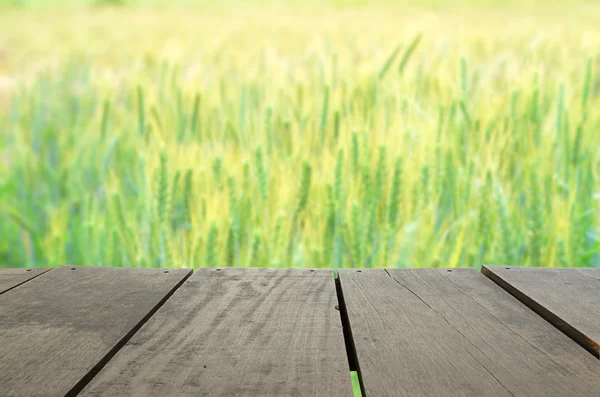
349 134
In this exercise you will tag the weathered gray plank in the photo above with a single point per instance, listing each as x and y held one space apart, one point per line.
11 278
57 329
237 332
438 332
569 298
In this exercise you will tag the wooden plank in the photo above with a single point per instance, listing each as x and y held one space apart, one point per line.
569 298
237 332
453 332
57 330
11 278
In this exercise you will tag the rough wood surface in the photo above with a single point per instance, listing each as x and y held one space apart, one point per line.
11 278
569 298
237 332
57 329
445 333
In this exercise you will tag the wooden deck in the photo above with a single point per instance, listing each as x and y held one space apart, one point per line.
504 331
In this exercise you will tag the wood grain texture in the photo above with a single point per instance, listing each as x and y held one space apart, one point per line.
11 278
441 333
237 332
569 298
57 329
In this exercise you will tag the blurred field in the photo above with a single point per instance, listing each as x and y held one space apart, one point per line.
340 135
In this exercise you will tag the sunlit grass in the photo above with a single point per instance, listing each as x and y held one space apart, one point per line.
300 136
355 384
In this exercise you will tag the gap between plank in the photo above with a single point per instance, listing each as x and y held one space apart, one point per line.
348 338
21 283
546 314
83 382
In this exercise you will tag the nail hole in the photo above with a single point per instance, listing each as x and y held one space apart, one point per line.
312 270
166 271
449 270
507 268
359 271
218 269
28 270
72 268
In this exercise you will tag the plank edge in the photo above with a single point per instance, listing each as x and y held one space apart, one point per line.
87 378
562 325
26 281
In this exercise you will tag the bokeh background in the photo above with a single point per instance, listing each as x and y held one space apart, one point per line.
299 133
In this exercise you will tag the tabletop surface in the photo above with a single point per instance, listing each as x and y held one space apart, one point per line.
101 331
